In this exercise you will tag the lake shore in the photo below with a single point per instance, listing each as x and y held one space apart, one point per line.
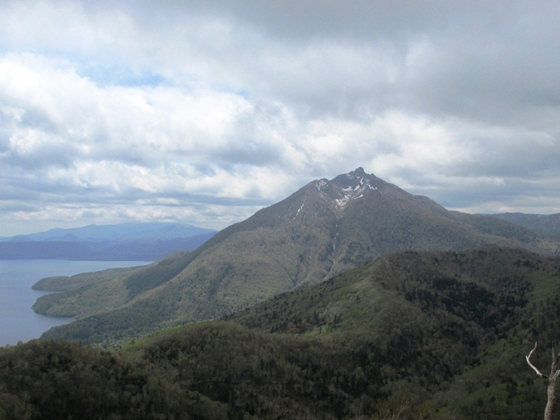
18 321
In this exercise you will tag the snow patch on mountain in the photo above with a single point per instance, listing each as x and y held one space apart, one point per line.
348 187
298 210
322 184
355 194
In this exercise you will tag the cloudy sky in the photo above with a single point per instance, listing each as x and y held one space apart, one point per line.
204 111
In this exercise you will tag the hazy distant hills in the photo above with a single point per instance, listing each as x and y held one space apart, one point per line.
415 335
325 228
548 224
127 241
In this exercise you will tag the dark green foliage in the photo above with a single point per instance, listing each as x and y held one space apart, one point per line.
155 275
268 376
450 327
126 319
58 379
427 335
67 283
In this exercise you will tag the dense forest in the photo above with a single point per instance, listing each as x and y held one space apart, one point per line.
413 335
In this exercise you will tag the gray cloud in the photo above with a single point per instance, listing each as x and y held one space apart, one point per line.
206 111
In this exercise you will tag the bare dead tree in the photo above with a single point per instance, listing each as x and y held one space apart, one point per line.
550 380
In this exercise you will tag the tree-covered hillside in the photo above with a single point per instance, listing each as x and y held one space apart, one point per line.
545 224
427 335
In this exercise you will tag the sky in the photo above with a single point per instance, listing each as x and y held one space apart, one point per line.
205 111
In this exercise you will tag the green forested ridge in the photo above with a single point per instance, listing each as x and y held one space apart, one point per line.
66 283
546 224
474 315
439 334
90 294
322 230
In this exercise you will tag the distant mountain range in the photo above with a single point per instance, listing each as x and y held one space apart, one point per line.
325 228
545 224
125 242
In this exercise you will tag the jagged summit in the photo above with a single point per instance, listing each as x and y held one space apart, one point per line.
356 179
349 187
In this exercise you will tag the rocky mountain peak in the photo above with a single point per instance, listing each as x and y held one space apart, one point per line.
348 187
325 228
356 179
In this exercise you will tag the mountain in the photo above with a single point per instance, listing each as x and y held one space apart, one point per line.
325 228
411 335
125 242
124 232
449 329
545 224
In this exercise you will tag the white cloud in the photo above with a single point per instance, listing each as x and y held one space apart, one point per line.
207 111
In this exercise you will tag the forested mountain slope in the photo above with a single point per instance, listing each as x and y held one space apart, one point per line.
545 224
321 230
435 335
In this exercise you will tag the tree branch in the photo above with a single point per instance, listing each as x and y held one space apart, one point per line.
528 358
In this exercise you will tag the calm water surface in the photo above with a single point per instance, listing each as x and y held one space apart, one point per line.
18 322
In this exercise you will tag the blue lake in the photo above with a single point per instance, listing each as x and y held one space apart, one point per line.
18 322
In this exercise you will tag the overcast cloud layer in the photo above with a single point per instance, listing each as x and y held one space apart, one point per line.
205 111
